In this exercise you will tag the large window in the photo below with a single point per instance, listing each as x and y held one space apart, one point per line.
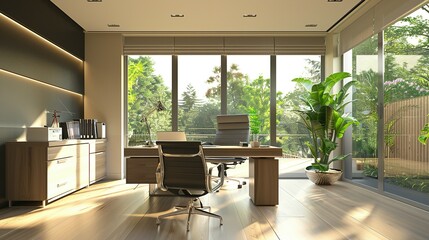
149 82
290 134
248 89
199 95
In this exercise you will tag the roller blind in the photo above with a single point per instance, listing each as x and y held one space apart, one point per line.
300 45
224 45
385 13
246 45
148 45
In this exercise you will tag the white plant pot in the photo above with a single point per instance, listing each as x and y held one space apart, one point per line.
324 178
255 144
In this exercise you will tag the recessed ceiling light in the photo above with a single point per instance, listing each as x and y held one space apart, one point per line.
113 25
177 15
311 25
249 15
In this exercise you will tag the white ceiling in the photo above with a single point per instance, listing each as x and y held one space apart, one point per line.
206 16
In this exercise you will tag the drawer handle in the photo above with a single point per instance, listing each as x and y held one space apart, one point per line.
61 161
61 184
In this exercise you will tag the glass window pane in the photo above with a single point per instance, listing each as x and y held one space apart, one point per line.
364 109
291 135
149 82
199 95
406 105
248 83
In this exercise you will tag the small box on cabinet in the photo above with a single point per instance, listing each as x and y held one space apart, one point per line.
41 134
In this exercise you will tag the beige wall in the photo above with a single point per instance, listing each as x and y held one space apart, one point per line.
104 88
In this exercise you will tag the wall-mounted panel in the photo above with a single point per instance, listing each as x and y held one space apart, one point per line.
44 18
26 54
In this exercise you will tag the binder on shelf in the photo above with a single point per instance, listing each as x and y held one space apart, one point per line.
84 129
63 126
101 130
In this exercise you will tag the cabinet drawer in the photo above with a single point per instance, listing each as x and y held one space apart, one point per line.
97 168
97 146
62 152
100 146
61 176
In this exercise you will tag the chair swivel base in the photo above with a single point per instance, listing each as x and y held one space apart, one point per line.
239 183
189 210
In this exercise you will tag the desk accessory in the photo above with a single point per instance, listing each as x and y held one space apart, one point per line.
157 108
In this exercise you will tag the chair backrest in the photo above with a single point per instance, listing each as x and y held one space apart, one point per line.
170 136
183 165
232 129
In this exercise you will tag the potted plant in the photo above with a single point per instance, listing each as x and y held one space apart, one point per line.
255 127
323 115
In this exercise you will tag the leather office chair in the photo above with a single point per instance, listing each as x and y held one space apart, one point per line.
231 130
183 172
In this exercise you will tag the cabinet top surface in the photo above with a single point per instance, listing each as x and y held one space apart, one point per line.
61 143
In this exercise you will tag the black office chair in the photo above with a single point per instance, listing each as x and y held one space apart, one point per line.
183 172
231 130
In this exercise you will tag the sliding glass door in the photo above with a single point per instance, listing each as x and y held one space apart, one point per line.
406 105
391 102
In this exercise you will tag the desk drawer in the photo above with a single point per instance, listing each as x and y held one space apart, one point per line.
141 169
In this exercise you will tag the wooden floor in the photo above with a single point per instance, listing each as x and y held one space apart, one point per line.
114 210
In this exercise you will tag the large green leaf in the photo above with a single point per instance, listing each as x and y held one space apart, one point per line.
332 79
341 123
341 96
319 167
312 150
338 158
306 83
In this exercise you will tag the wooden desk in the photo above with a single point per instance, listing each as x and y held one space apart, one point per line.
141 164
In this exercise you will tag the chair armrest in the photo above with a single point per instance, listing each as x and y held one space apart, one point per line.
217 179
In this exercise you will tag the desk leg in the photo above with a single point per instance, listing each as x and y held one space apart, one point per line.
264 181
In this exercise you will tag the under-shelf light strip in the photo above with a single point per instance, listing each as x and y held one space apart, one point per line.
40 37
39 82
